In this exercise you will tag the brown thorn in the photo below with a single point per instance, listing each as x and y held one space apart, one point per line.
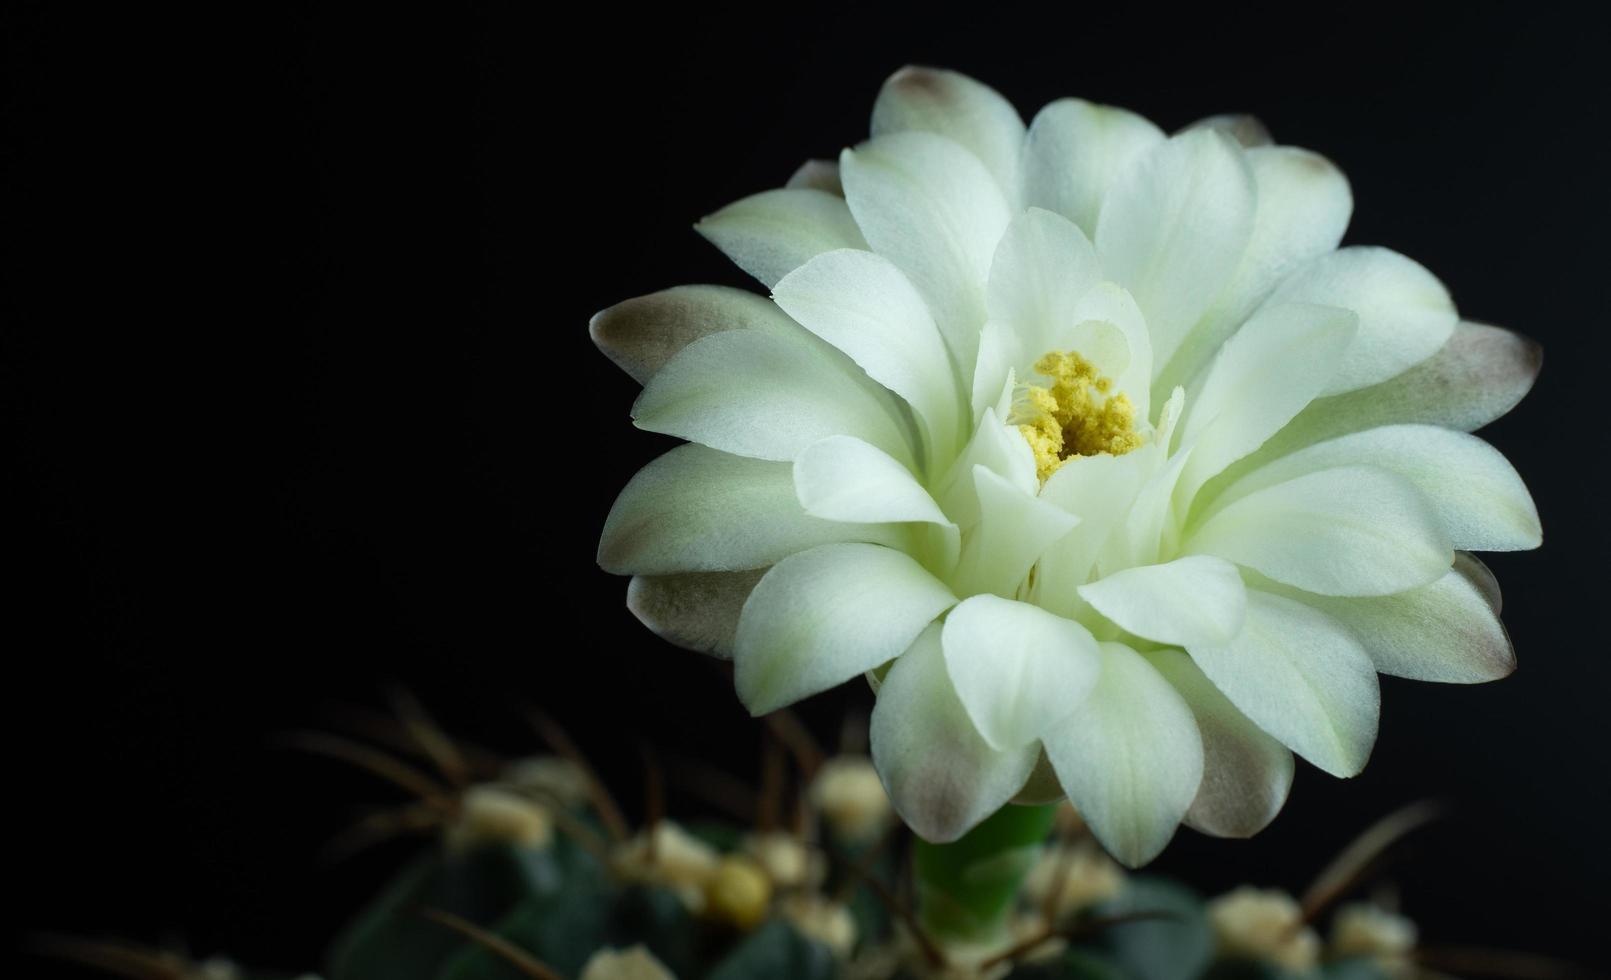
769 811
387 731
843 892
1052 902
792 732
1504 963
654 788
853 734
372 761
1090 927
598 794
728 793
1350 865
423 730
512 954
378 827
896 907
116 958
569 823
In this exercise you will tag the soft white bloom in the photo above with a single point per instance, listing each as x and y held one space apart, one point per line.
1263 925
1088 446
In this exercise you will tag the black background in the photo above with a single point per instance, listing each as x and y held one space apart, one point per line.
299 403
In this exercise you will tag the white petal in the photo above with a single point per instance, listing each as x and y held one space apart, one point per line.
1302 677
1073 153
932 208
1478 497
1304 203
748 393
1352 530
955 106
1405 314
1239 126
1264 375
1017 668
696 509
1479 375
1130 758
1198 599
1107 327
1014 528
817 175
1246 773
1000 449
1099 489
843 478
821 617
774 232
1001 350
695 610
640 335
941 775
1173 229
1447 631
862 305
1042 267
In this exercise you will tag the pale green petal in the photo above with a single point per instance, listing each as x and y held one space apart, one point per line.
1303 678
941 775
1017 668
843 478
1247 130
933 209
1477 495
817 175
955 106
1198 599
1351 531
1042 267
823 616
1000 449
1130 758
696 509
1246 773
862 305
1015 527
1173 228
772 233
1074 152
1099 489
695 610
752 394
1405 314
640 335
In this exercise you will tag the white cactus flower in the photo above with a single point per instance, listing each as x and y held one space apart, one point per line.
1085 443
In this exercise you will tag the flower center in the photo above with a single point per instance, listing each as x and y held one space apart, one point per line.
1076 416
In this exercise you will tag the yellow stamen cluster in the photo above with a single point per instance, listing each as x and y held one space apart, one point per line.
1076 416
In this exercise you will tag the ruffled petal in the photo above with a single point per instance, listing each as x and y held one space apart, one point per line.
843 478
1303 678
955 106
1042 267
940 773
640 335
1017 668
1015 527
1198 599
695 610
1073 153
823 616
1130 758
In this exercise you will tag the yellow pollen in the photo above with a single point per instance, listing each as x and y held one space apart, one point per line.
1076 416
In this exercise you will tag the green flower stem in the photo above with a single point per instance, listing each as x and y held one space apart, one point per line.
966 889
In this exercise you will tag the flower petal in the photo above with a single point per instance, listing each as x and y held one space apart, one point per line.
1246 773
640 335
1264 375
821 617
932 208
752 394
941 775
1000 449
1447 631
1015 527
862 305
699 510
817 175
1130 758
843 478
1350 530
1198 599
1405 314
1173 228
1478 496
1247 130
1303 678
695 610
1017 668
955 106
1040 270
1304 203
1099 489
1074 151
772 233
